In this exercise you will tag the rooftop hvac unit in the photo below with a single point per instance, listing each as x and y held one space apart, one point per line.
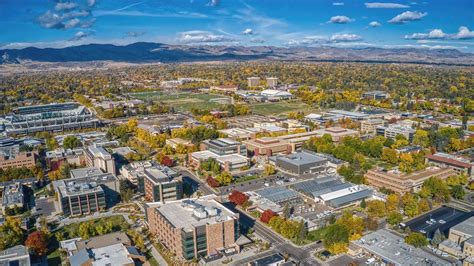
200 213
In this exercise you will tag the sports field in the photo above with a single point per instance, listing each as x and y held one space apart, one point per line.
186 100
280 108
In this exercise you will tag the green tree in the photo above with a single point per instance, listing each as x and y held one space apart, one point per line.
390 156
11 233
376 208
421 138
224 179
394 218
71 142
458 192
416 239
438 237
86 230
335 233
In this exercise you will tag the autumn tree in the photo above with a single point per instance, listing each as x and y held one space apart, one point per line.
267 215
416 239
238 198
38 243
11 233
224 178
376 208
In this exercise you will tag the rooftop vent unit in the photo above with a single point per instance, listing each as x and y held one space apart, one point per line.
200 213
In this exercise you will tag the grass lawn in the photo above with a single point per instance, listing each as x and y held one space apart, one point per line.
54 258
245 178
118 223
185 101
280 108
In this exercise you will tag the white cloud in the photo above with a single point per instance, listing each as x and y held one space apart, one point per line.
407 16
247 31
71 23
345 37
463 34
385 5
50 20
213 3
198 36
340 20
80 35
375 24
337 4
91 2
65 6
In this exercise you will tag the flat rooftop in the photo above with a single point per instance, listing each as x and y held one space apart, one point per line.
85 172
466 227
301 158
190 213
392 248
412 176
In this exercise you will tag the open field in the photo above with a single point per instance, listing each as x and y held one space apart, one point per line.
280 108
185 101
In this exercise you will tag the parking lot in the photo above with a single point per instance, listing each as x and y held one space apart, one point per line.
45 206
442 218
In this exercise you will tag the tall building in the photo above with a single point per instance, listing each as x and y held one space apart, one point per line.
272 82
79 198
193 228
370 126
402 182
49 117
253 81
162 184
88 190
99 158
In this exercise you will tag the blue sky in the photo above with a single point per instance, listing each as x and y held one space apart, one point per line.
434 24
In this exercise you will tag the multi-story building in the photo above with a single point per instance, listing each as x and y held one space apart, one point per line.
175 142
135 173
229 162
392 131
272 82
296 141
376 95
49 117
13 196
17 255
267 146
162 184
239 134
302 163
99 158
8 146
253 81
337 133
460 242
88 190
459 164
370 126
402 182
20 159
79 198
193 228
224 146
57 157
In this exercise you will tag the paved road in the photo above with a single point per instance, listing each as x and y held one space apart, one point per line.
279 244
202 186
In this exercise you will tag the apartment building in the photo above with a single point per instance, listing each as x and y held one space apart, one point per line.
459 164
253 81
369 126
99 158
193 228
272 82
162 184
53 117
403 182
17 160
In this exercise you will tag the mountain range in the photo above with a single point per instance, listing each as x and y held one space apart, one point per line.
145 52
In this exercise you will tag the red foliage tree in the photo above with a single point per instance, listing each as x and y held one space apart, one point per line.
267 215
212 182
238 198
38 243
166 161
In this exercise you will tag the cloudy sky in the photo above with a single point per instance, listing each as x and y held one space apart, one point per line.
429 24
